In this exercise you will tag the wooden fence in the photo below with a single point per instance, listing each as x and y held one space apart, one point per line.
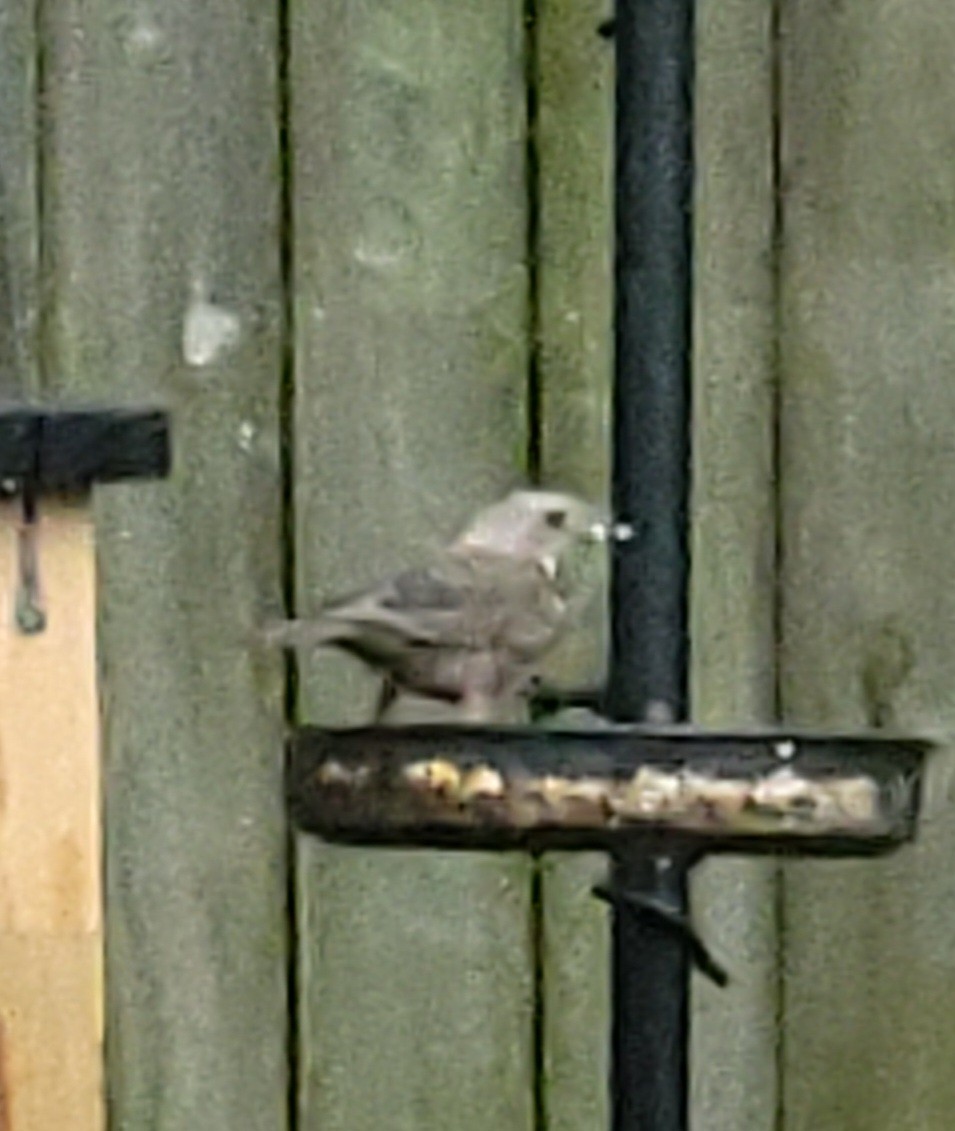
362 250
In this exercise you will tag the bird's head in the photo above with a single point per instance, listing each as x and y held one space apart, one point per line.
557 530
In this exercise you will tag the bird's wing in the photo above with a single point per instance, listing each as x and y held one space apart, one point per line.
513 606
478 602
411 608
417 604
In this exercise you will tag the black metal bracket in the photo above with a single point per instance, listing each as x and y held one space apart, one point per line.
669 916
65 451
68 450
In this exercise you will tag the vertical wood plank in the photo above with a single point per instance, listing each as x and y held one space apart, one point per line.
51 912
733 1071
574 147
733 1052
573 144
868 482
160 206
19 222
410 389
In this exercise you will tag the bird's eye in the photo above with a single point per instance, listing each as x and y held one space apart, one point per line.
555 519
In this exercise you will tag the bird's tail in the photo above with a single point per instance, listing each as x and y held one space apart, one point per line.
291 634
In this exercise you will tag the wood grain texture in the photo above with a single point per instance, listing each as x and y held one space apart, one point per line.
51 913
574 147
733 1058
19 219
410 389
161 206
868 481
574 151
732 587
573 144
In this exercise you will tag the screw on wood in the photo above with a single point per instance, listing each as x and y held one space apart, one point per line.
30 614
66 451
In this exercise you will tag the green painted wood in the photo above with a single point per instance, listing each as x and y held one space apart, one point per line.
19 222
161 261
868 482
411 319
574 95
733 1056
732 597
574 80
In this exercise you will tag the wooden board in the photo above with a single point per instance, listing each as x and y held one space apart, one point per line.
19 221
161 209
732 598
410 387
574 79
732 615
51 913
868 481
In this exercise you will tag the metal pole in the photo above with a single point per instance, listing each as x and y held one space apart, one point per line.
651 474
651 991
651 485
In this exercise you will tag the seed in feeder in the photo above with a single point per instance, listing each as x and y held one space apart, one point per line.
585 801
857 798
557 798
595 790
550 789
784 792
482 781
719 798
436 774
649 792
333 772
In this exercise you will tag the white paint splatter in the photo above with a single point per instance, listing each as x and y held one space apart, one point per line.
145 39
208 331
367 257
246 435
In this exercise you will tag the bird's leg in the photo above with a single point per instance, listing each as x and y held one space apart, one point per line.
476 707
386 696
485 697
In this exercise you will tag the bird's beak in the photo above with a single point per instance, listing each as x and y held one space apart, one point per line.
611 531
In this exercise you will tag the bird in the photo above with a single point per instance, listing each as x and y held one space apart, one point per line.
469 626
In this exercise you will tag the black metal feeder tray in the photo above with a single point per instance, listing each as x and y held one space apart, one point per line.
609 788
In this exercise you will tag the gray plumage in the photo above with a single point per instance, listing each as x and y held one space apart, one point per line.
471 626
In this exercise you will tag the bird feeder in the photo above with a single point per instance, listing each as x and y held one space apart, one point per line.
653 792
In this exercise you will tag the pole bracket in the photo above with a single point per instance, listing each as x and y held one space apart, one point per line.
68 450
47 450
655 910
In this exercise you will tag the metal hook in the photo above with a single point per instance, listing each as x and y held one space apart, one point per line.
664 916
29 613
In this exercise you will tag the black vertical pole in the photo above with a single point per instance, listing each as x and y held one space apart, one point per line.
651 473
650 973
651 484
